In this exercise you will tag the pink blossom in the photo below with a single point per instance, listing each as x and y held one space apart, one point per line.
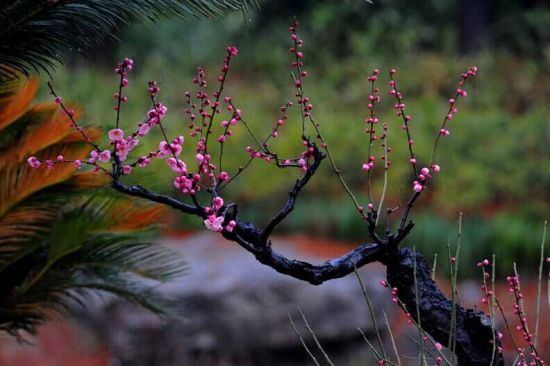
126 169
60 158
144 129
417 187
104 156
177 165
438 346
436 168
78 164
424 171
185 184
33 162
230 226
199 158
132 142
217 202
232 50
143 161
122 150
214 223
224 176
164 148
368 166
116 134
176 149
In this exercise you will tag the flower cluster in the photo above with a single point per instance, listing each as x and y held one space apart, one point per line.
215 220
122 143
514 288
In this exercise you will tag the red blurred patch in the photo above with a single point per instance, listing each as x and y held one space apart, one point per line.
57 343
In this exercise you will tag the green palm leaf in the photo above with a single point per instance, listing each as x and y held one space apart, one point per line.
36 34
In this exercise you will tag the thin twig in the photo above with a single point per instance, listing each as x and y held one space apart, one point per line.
371 312
434 267
314 337
392 339
302 341
539 288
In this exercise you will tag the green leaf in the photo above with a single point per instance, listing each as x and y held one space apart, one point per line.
37 34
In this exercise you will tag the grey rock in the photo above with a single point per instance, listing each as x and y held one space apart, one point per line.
236 312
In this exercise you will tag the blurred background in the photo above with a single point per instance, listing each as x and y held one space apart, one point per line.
493 164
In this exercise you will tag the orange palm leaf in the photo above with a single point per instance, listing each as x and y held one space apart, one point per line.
14 103
129 216
20 180
45 125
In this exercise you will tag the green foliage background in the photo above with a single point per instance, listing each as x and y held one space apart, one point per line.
494 164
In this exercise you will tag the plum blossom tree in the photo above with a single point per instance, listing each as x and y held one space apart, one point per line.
201 183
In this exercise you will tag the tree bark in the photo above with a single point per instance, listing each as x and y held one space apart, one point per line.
474 330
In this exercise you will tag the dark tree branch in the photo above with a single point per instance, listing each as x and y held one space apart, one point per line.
139 191
318 157
408 209
249 237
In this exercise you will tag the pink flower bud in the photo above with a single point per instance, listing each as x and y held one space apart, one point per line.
144 129
116 134
224 176
217 202
104 156
33 162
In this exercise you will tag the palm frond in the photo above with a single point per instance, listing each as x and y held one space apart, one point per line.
40 127
37 34
114 264
105 253
20 181
15 99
